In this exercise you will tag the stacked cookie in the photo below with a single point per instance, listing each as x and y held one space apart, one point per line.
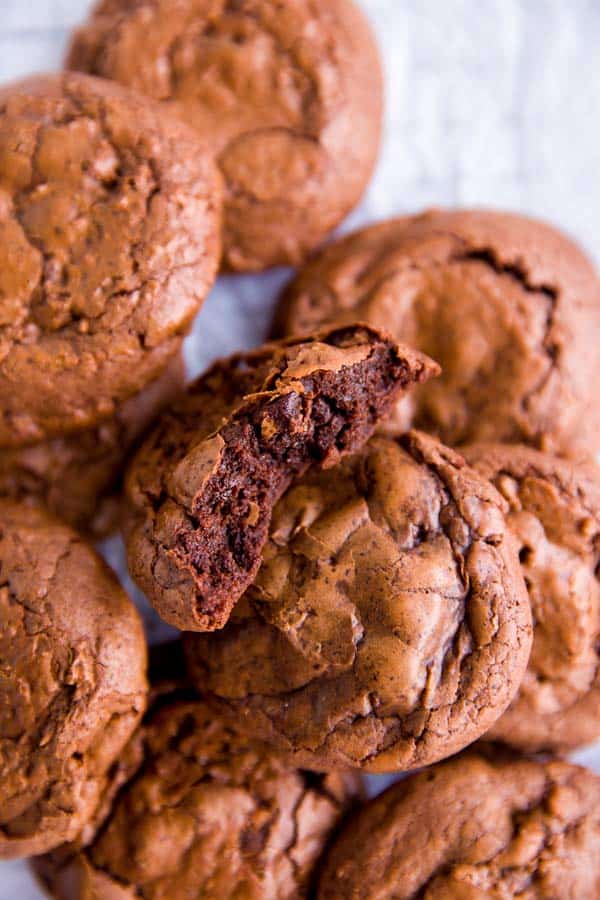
380 531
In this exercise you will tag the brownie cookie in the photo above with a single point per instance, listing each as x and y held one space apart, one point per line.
205 815
109 237
555 517
72 680
473 828
77 477
203 486
388 626
289 97
509 307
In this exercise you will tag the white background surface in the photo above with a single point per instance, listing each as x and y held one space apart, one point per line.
488 103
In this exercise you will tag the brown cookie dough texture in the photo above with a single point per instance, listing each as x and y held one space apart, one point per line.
555 517
388 626
288 95
203 486
508 306
206 815
78 477
109 242
72 680
475 828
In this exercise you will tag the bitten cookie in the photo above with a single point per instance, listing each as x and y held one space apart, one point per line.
78 476
72 680
509 307
288 96
206 815
202 487
109 242
473 828
555 517
388 626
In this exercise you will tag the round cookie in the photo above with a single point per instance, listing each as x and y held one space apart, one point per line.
78 477
72 680
205 815
555 517
202 487
289 97
508 306
109 224
473 828
388 626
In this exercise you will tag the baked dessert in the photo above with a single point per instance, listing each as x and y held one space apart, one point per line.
475 827
72 680
508 306
555 517
78 477
289 97
204 815
388 626
109 237
202 487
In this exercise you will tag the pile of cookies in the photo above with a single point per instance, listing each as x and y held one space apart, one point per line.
379 532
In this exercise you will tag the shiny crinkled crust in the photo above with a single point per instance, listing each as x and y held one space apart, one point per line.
554 514
480 826
508 306
388 626
110 215
202 488
72 680
288 95
206 814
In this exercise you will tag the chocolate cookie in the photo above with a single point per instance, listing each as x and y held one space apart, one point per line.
555 517
72 680
289 97
388 626
77 477
206 815
109 237
473 828
509 307
203 486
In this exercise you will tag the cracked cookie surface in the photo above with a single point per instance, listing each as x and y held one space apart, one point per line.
388 626
554 514
78 477
508 306
206 815
109 224
288 95
72 680
202 488
472 828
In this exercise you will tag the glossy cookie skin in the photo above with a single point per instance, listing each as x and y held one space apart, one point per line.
204 814
109 242
202 487
288 96
554 514
388 626
508 306
480 827
72 680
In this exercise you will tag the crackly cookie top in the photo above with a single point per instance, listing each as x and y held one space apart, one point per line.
72 680
388 625
508 306
289 96
473 828
555 517
202 487
109 221
206 815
